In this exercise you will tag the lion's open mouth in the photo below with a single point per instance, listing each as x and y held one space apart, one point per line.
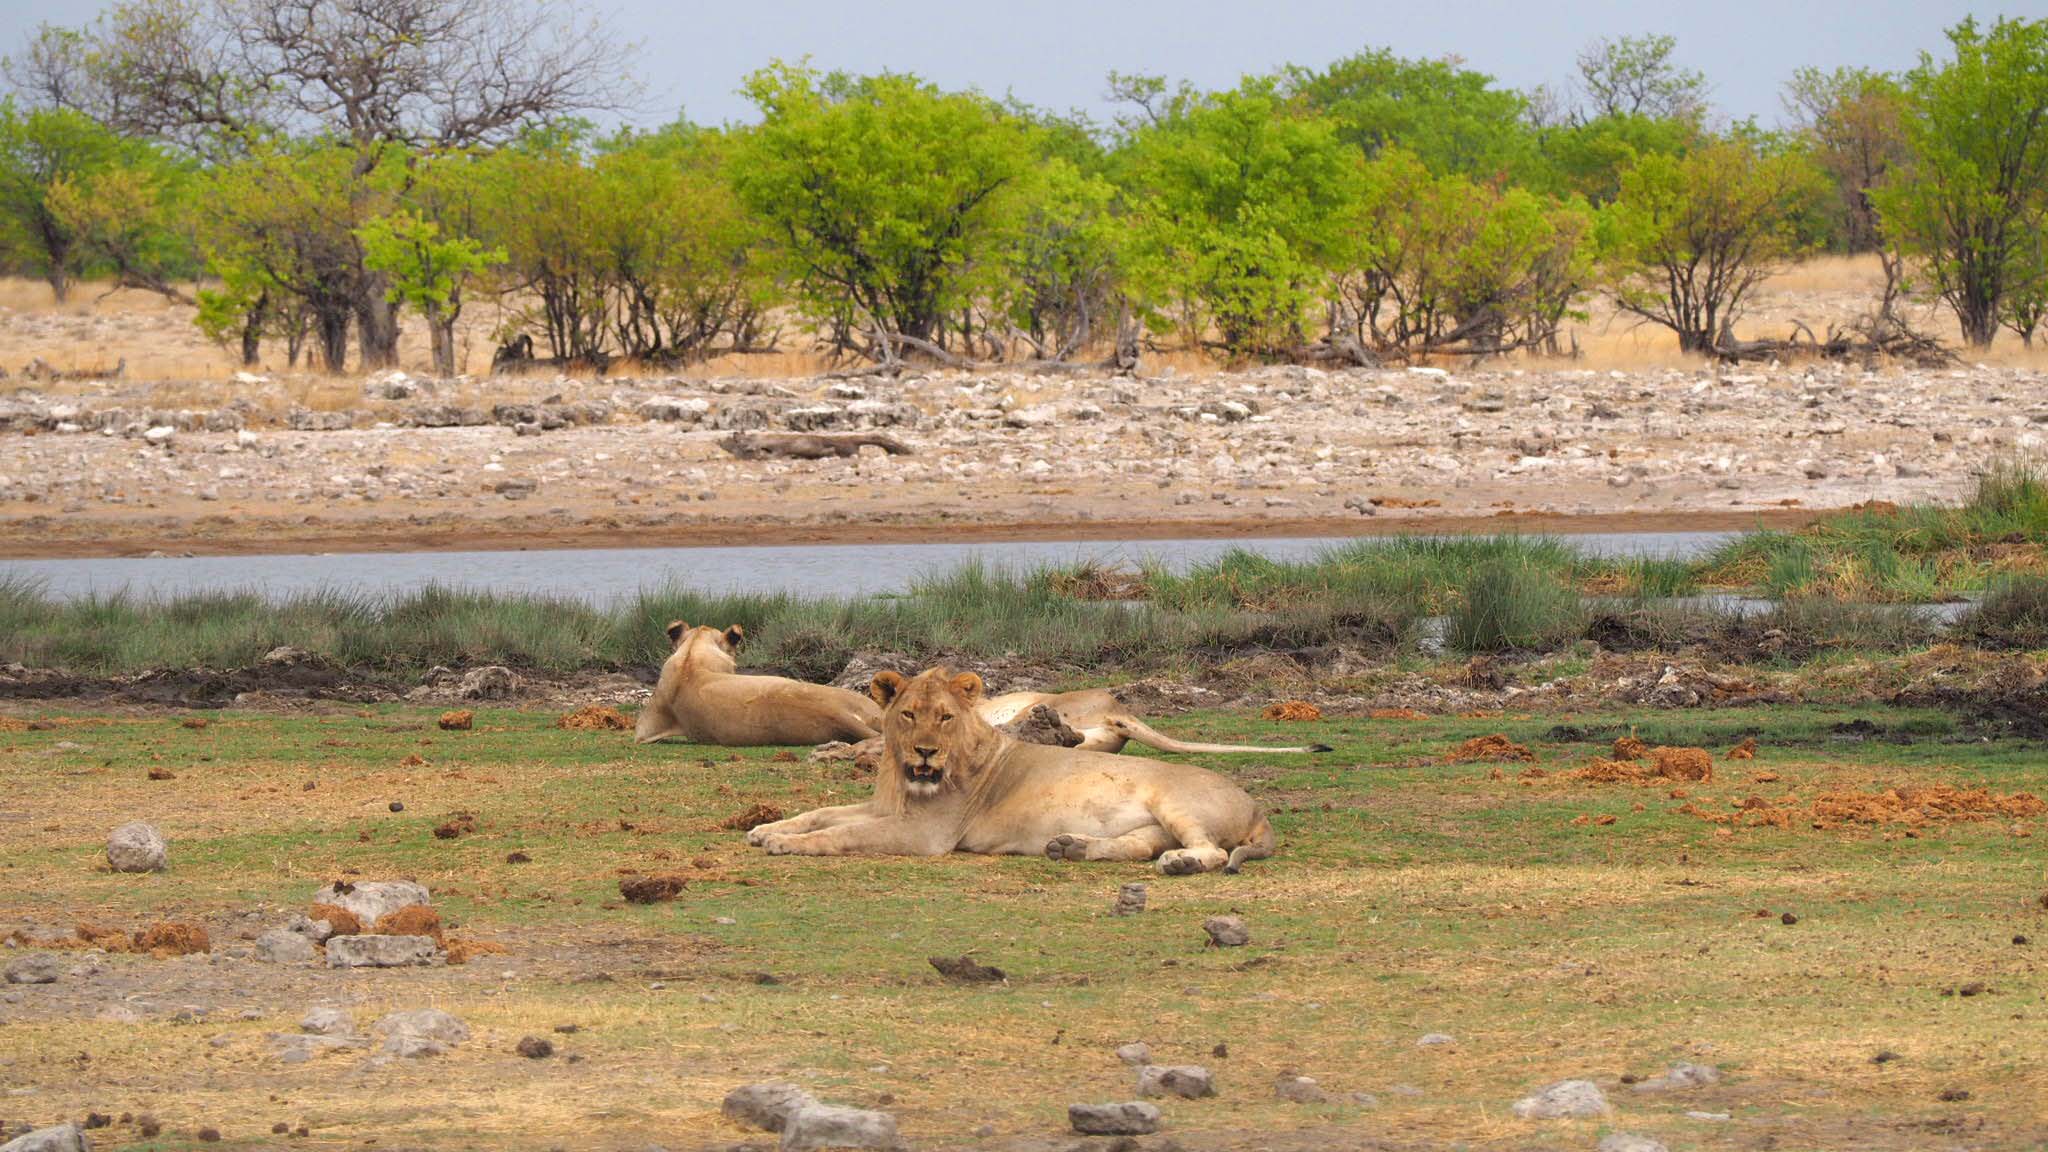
924 773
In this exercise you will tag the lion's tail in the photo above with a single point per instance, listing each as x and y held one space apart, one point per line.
1257 846
1132 728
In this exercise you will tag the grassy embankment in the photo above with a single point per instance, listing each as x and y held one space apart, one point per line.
1499 594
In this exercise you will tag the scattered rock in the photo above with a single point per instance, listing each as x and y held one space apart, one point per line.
767 1106
421 1032
1136 1053
35 968
1711 1117
327 1022
1436 1040
1130 900
965 970
370 900
1629 1142
284 946
1680 1077
62 1138
829 1126
1189 1081
380 951
458 721
1135 1118
1227 931
299 1048
137 847
491 682
1300 1090
1564 1100
535 1047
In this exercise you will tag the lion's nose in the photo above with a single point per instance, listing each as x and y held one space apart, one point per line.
927 753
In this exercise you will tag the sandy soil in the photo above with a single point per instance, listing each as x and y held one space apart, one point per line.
126 466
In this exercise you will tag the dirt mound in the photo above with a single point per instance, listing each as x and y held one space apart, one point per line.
1691 764
752 818
412 920
1488 749
458 721
595 718
340 919
463 951
1923 804
172 938
651 889
457 824
1913 805
1396 714
1292 710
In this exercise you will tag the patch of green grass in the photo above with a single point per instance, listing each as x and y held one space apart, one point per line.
1409 895
1512 603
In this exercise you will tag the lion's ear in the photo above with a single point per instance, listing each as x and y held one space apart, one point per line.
885 686
676 628
734 635
968 685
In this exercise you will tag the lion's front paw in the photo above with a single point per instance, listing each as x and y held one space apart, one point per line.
1180 862
758 835
778 845
1066 847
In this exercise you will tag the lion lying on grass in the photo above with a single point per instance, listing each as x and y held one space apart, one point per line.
702 699
950 782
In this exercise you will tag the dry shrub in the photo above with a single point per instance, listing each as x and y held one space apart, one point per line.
651 889
752 818
461 951
411 920
340 919
1488 748
1292 710
593 718
1397 714
458 721
172 938
1629 748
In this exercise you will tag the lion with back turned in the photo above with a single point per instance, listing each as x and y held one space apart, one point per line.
948 781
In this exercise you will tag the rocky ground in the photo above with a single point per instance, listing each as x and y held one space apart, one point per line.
419 464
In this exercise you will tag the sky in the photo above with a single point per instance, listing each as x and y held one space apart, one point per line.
692 56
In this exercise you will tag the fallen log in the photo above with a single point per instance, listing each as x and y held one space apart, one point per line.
808 445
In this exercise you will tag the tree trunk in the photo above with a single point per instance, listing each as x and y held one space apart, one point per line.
252 331
376 323
333 325
1979 320
441 330
60 284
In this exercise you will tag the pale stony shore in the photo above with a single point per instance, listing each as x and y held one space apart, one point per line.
419 463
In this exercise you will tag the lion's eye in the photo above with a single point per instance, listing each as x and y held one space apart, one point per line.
946 719
909 715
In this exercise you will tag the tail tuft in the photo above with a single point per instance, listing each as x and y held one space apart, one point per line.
1320 748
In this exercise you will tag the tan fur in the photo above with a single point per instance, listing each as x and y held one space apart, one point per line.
950 782
1106 724
702 699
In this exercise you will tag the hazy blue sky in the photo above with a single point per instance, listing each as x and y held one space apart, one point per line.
1056 53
